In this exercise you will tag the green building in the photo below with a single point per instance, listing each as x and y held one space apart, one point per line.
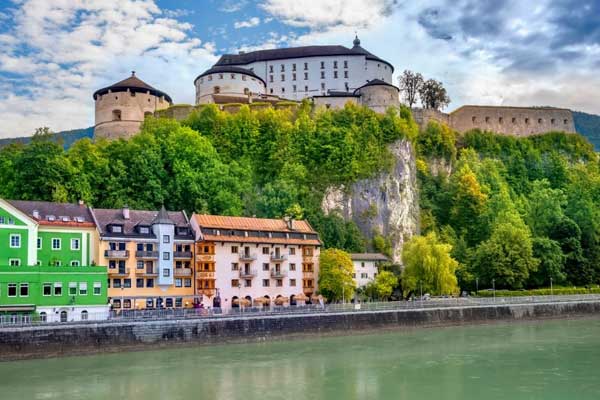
48 267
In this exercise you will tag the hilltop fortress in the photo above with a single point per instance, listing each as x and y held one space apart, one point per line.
330 76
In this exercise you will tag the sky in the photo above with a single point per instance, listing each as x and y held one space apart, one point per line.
55 53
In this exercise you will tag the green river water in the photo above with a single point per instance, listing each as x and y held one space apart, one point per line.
557 359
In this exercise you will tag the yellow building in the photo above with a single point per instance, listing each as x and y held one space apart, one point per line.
149 257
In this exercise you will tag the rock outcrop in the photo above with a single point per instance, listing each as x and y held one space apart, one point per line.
387 203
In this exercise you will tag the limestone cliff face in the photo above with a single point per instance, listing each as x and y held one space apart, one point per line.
387 203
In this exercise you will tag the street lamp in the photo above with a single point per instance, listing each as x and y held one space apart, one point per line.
494 288
551 291
477 286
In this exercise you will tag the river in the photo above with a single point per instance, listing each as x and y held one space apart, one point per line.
557 359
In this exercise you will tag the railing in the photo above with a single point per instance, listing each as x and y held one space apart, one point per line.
116 253
251 273
205 274
146 254
278 257
299 309
247 257
183 272
118 272
147 272
182 254
275 273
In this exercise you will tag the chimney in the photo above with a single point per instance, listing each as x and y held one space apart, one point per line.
81 202
125 212
289 221
36 214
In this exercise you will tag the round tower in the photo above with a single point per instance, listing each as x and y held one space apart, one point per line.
378 95
228 84
122 107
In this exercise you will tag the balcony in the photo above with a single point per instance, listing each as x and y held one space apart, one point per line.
116 254
186 255
183 272
247 257
118 272
206 292
149 272
278 273
278 257
247 273
205 257
146 254
205 274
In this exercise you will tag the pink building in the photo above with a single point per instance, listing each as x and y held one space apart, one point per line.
255 262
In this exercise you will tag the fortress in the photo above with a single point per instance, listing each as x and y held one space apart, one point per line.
330 76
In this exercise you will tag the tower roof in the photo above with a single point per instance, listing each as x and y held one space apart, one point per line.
133 84
163 217
376 82
231 69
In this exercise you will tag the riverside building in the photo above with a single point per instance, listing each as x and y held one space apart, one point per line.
149 255
47 264
366 267
255 262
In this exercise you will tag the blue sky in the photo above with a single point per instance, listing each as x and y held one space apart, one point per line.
55 53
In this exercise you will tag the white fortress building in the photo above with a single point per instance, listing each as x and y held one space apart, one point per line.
330 75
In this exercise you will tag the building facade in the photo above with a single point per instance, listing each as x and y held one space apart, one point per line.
366 267
47 264
149 255
295 73
121 108
255 262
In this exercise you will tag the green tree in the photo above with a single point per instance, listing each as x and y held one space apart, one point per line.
382 286
552 263
428 266
335 275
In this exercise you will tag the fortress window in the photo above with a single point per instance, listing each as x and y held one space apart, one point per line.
514 120
282 77
246 91
132 94
270 68
322 74
566 121
347 86
500 120
306 88
210 77
539 120
293 67
335 64
282 90
335 74
306 76
270 78
322 85
345 74
282 67
293 77
116 115
305 66
526 120
216 90
232 76
201 80
294 88
345 64
474 119
243 77
116 97
160 100
271 90
552 121
487 120
322 64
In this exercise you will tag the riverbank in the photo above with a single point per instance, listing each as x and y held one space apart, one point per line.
75 339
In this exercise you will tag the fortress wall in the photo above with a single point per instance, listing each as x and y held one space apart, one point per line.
519 121
422 116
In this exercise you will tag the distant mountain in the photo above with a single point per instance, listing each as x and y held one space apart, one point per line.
67 137
588 125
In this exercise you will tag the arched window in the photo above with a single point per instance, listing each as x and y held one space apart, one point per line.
116 115
43 316
63 316
84 315
246 91
216 90
235 302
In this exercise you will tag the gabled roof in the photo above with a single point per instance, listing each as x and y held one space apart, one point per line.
251 224
368 256
56 214
133 84
231 69
105 217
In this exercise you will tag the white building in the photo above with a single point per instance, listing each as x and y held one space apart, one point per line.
294 73
366 267
266 262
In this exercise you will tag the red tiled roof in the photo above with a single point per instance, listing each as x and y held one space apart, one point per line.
251 224
253 239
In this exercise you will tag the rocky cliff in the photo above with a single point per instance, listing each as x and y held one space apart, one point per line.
387 203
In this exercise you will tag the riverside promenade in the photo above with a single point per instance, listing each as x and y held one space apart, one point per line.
148 330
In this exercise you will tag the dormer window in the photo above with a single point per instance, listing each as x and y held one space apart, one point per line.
116 229
182 231
65 219
51 218
144 230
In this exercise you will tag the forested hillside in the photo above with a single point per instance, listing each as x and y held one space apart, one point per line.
518 211
589 126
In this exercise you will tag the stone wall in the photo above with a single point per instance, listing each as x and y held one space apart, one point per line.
47 341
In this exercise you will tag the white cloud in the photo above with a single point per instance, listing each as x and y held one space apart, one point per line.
252 22
73 47
322 14
230 6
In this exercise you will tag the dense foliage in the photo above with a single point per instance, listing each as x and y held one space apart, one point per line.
518 212
335 275
267 163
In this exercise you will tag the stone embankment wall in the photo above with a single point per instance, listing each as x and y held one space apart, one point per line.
48 341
